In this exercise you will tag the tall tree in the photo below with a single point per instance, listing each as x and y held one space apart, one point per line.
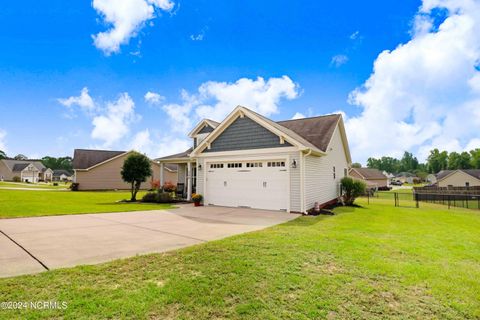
64 163
408 162
20 157
136 169
437 161
3 155
475 158
356 165
459 160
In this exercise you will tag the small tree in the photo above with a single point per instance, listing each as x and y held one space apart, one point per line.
136 169
351 189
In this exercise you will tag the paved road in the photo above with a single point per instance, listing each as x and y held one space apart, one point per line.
31 245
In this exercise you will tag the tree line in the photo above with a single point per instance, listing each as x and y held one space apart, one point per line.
60 163
436 161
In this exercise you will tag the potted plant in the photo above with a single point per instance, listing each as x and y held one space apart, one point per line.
197 199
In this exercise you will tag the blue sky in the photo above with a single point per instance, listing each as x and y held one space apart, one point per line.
311 55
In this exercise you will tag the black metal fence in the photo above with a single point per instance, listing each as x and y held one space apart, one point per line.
464 197
398 199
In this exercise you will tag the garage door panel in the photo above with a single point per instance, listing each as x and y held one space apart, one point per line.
260 187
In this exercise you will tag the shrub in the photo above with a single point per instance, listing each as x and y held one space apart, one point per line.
196 197
164 197
16 179
55 184
155 184
74 186
150 197
157 197
168 186
351 189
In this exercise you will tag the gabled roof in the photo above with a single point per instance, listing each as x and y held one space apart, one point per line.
202 124
472 172
369 173
19 165
59 172
84 158
316 130
314 134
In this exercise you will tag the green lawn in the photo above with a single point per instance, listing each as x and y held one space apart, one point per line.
29 203
23 185
375 262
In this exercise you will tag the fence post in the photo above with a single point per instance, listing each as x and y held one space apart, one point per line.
416 200
448 198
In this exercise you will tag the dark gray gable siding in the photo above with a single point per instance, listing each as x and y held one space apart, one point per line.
206 129
244 134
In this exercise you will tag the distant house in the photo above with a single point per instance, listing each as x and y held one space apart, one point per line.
406 177
431 178
374 178
62 175
26 170
101 170
459 178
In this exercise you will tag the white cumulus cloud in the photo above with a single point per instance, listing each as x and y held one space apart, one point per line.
84 101
157 145
124 18
298 115
111 121
153 98
425 93
214 100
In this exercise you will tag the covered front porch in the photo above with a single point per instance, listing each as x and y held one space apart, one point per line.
186 173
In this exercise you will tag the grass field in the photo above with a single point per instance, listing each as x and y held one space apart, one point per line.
22 185
31 203
374 262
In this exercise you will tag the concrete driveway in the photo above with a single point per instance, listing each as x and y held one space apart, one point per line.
31 245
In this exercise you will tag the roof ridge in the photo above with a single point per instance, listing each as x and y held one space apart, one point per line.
306 118
100 150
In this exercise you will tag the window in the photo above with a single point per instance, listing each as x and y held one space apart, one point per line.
254 164
345 172
216 165
276 164
467 184
334 175
234 165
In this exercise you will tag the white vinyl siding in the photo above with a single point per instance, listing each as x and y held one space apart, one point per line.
200 176
320 184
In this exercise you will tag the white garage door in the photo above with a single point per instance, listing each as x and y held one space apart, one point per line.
254 184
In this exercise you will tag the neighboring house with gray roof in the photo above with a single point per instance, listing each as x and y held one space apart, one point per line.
374 178
101 170
458 178
62 175
248 160
26 170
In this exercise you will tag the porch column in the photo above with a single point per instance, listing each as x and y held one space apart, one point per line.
189 181
161 175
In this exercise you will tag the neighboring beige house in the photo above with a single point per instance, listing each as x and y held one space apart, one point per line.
100 170
248 160
374 178
26 170
407 177
62 175
459 178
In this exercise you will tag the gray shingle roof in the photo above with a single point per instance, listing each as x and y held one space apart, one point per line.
316 130
473 172
19 165
59 172
369 173
84 158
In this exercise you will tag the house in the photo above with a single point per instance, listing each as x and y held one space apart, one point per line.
24 170
62 175
407 177
374 178
459 178
101 170
248 160
431 178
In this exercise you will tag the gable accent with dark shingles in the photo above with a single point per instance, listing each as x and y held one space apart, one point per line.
84 159
206 129
245 134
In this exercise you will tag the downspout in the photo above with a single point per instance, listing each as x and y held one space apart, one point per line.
302 178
